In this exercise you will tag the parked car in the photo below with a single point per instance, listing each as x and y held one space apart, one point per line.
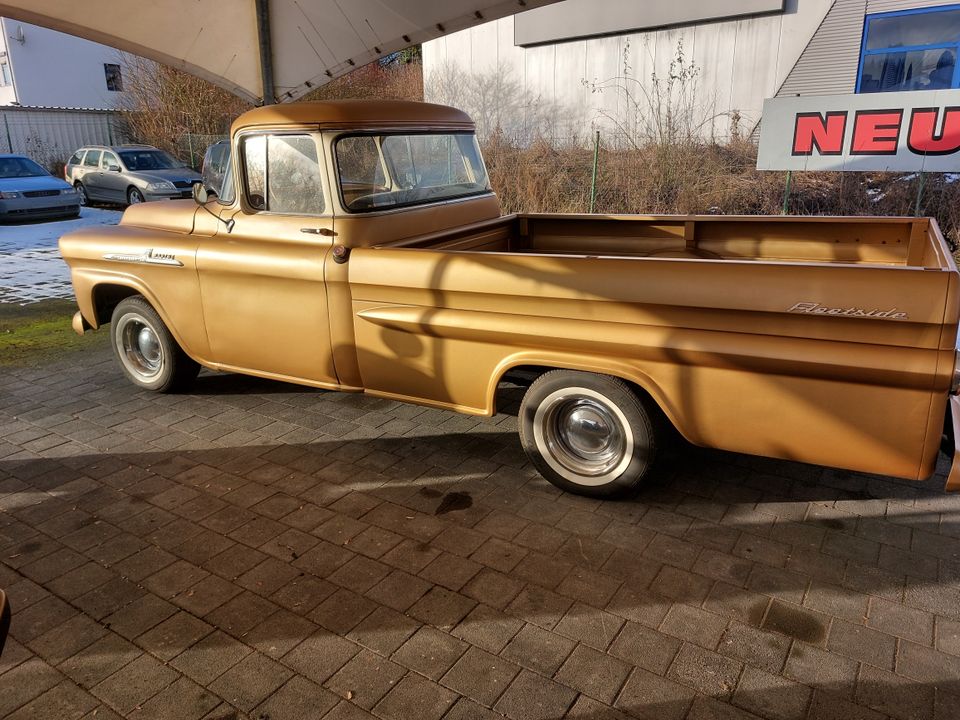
28 191
128 174
215 162
357 246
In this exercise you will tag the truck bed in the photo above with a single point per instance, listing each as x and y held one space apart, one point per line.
830 340
899 241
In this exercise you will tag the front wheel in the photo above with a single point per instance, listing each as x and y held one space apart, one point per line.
149 355
587 433
134 196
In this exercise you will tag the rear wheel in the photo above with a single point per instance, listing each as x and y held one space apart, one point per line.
82 193
148 354
587 433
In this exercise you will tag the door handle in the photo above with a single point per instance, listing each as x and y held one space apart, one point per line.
326 232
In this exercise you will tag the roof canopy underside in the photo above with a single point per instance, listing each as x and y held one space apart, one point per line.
313 41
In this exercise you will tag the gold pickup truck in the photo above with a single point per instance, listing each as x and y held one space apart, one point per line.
357 246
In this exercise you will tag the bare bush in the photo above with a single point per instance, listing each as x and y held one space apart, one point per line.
500 105
164 104
398 78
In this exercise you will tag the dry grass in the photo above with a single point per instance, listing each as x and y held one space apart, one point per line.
700 177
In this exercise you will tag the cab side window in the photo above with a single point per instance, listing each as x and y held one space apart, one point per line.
92 159
282 174
109 159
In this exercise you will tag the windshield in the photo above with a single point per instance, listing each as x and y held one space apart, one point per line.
384 171
20 167
136 160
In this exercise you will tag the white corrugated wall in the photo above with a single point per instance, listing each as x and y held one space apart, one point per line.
564 90
50 136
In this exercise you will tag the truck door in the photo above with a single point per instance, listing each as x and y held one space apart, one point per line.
261 282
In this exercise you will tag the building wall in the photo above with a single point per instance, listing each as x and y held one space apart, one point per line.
829 63
605 82
569 88
51 136
52 69
7 93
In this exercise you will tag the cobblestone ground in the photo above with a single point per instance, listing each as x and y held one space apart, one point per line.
257 550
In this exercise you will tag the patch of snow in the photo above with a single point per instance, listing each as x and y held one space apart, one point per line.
31 268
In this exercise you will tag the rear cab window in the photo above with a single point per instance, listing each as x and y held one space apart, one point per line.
382 171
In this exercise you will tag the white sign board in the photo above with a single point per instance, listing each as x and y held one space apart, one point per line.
903 131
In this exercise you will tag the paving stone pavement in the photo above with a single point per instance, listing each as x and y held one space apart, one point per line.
259 550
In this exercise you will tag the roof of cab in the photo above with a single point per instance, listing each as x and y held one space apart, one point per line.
354 113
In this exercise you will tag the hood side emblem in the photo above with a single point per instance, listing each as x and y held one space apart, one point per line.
149 257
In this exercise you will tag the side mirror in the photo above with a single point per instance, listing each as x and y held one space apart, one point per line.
113 168
200 194
4 619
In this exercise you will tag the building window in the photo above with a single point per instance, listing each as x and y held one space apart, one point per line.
114 79
910 50
5 77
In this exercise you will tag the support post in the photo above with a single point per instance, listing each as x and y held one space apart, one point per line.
6 125
266 52
593 179
786 193
920 184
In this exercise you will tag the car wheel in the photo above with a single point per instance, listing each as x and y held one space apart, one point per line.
134 196
149 355
82 193
587 433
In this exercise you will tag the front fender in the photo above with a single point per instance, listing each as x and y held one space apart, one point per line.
184 319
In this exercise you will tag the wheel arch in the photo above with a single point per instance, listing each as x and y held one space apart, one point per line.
642 384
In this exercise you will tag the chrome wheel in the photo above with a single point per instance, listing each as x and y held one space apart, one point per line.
134 197
140 350
583 436
82 193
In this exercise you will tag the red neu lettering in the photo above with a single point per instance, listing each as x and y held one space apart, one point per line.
923 138
876 132
823 132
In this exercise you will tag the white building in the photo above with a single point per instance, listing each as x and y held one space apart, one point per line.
568 68
45 68
57 93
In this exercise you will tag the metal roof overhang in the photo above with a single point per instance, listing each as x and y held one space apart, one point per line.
263 50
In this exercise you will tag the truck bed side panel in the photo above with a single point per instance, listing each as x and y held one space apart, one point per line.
726 348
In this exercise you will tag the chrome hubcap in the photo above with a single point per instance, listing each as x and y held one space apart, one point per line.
140 349
582 437
134 198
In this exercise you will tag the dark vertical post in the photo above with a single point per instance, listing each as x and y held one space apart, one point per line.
266 51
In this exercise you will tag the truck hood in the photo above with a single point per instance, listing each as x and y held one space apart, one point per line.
170 215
